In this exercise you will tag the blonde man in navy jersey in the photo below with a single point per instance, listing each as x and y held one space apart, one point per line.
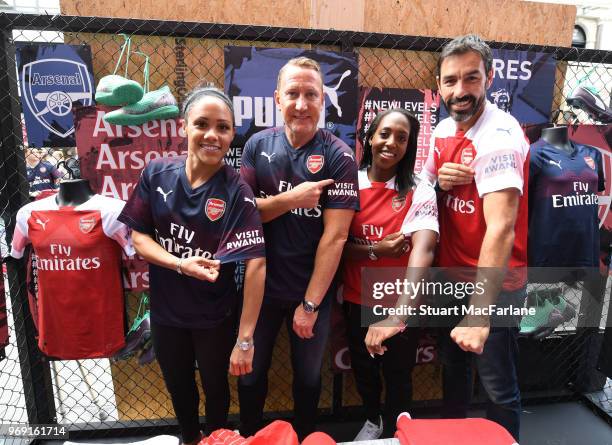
305 181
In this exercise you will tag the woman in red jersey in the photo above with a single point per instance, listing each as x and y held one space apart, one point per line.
396 227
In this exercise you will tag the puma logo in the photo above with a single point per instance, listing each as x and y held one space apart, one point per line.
42 223
348 155
252 201
164 194
269 156
507 130
558 164
332 93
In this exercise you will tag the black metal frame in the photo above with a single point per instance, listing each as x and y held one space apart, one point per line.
346 39
35 370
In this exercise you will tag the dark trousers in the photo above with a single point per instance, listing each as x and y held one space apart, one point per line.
396 363
496 366
177 350
306 360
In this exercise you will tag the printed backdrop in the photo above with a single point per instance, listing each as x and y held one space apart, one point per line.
523 85
113 156
424 104
250 81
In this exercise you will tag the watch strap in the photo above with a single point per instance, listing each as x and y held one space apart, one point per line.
241 343
315 307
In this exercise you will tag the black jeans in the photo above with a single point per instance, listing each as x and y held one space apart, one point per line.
396 363
497 368
177 349
306 360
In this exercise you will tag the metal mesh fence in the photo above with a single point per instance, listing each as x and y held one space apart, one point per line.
100 396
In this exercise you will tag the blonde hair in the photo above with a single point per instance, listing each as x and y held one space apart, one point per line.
302 62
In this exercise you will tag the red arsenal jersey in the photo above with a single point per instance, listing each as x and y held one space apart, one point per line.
80 299
382 213
496 148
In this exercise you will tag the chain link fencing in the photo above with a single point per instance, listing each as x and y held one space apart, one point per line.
103 397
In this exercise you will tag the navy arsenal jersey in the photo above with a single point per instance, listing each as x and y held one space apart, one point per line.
217 219
563 203
42 176
270 165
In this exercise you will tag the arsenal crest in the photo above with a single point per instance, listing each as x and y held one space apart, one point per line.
398 203
590 162
87 223
314 163
50 87
215 208
467 155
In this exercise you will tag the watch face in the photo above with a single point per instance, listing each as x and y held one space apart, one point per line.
308 307
245 345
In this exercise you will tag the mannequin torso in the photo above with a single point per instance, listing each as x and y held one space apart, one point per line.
74 192
557 137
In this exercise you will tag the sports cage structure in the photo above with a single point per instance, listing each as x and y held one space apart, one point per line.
103 398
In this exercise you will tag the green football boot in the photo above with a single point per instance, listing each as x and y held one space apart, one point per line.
116 91
545 319
158 104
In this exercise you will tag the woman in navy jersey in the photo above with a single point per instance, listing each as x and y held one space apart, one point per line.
192 219
396 227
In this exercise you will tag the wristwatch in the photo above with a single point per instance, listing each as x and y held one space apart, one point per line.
309 307
371 254
245 345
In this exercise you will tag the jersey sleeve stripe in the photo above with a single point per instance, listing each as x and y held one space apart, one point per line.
352 205
490 185
20 241
245 255
408 228
422 215
499 170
